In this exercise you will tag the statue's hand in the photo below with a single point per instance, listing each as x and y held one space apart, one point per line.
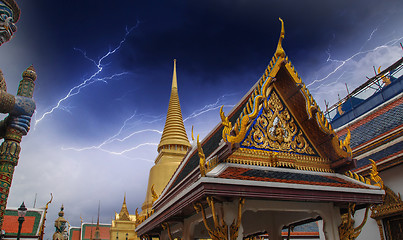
20 123
23 106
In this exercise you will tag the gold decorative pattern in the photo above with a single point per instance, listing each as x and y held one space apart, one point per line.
392 204
154 194
345 145
385 79
220 230
165 226
226 133
145 237
202 162
374 175
236 133
346 228
234 228
374 179
280 51
279 159
275 129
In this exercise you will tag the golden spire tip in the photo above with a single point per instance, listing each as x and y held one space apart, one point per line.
174 79
280 51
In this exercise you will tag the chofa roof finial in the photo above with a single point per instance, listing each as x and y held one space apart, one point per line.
280 51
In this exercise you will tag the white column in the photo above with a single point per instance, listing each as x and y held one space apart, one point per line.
331 221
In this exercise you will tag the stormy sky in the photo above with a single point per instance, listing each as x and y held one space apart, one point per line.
105 69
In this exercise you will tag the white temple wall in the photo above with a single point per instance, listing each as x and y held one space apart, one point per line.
393 179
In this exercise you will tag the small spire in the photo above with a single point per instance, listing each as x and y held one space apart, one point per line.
174 80
99 207
124 213
280 51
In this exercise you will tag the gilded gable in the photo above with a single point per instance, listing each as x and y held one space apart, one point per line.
275 129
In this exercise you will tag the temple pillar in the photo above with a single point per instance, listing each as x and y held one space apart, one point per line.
232 214
331 221
188 228
274 228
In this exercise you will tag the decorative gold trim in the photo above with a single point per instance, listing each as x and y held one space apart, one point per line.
374 179
145 237
279 159
226 133
220 230
374 175
345 145
202 162
280 51
153 193
379 223
165 226
392 204
234 228
346 228
275 129
385 79
42 230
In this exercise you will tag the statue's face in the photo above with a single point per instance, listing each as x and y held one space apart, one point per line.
7 27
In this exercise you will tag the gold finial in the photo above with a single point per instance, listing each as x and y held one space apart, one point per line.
280 51
174 79
193 137
373 174
202 157
385 79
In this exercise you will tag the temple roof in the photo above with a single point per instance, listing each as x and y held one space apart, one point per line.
275 175
31 226
174 131
377 135
74 233
280 105
88 231
275 144
124 213
376 121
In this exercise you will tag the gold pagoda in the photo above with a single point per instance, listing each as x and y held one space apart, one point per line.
124 224
173 147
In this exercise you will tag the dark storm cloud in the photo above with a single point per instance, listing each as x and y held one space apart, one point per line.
214 37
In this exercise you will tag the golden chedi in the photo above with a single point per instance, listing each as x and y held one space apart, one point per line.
172 148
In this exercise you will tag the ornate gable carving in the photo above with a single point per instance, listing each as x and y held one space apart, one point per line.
304 140
275 129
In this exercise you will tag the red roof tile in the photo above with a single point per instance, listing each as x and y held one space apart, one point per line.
103 230
286 177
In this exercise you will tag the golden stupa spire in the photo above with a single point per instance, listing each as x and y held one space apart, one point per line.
124 213
174 134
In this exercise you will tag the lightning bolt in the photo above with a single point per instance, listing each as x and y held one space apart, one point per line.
343 62
102 146
93 78
210 107
369 38
115 137
327 85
